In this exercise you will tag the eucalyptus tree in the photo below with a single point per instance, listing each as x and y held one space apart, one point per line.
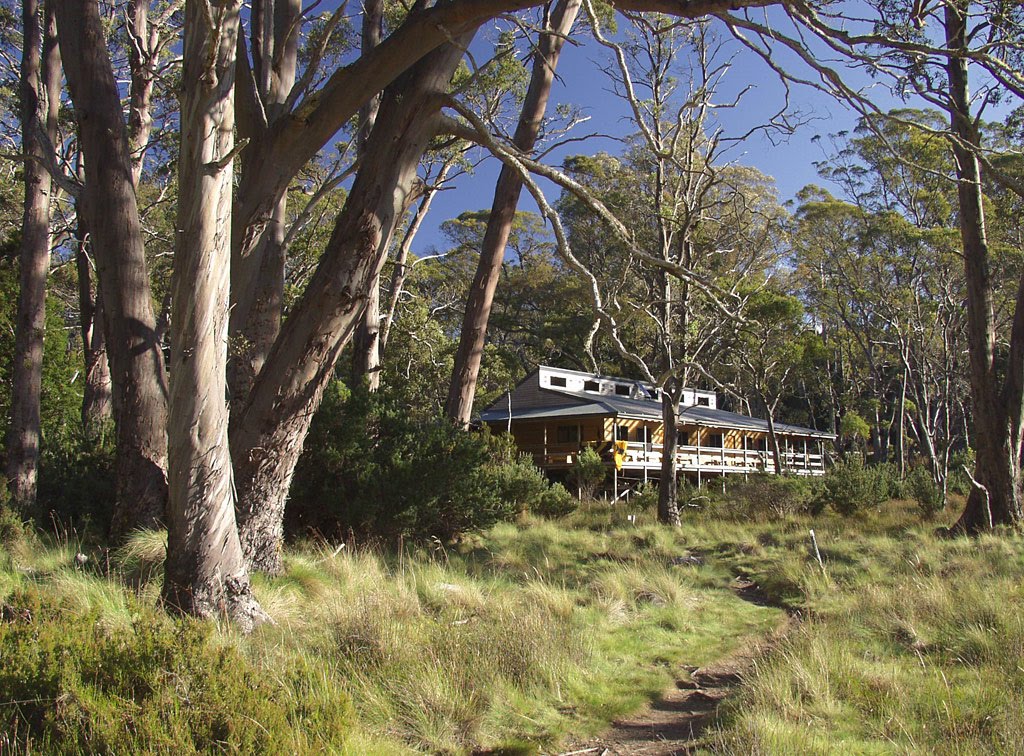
39 92
963 58
206 573
473 334
109 205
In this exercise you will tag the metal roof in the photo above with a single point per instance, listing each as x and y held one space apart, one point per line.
643 409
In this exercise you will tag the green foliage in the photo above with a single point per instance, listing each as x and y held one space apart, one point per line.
517 481
159 686
556 501
852 487
77 479
894 486
708 499
61 398
767 497
12 530
645 499
925 492
853 427
588 471
959 482
373 466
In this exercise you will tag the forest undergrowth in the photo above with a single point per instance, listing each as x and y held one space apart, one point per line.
530 635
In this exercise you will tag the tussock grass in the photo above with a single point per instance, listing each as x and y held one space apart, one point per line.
529 634
913 644
516 638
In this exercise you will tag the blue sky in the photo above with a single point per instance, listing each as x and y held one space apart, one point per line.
581 83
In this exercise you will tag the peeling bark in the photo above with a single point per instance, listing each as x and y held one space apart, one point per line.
205 573
267 440
109 206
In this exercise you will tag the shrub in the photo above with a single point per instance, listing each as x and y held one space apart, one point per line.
160 686
890 480
12 530
372 467
77 480
851 487
958 481
925 492
556 502
691 497
588 471
514 477
645 498
770 496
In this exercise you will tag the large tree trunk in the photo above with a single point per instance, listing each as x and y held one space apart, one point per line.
258 275
668 486
109 206
205 572
366 344
466 370
40 70
97 397
257 325
998 410
270 433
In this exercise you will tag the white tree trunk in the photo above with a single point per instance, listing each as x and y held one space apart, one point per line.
205 573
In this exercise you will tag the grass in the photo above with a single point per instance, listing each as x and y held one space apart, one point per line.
910 644
518 639
528 636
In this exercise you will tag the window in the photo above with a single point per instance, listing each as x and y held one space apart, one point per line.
622 389
713 440
568 434
683 438
703 401
557 381
643 434
622 433
592 386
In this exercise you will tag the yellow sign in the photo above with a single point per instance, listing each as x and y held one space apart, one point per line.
620 454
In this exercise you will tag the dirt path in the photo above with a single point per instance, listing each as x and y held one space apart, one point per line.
674 723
